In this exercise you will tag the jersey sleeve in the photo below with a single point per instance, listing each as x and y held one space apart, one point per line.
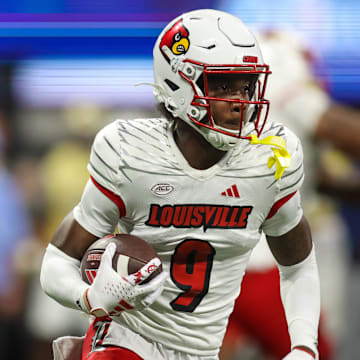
104 165
293 177
104 159
101 204
286 210
96 213
285 218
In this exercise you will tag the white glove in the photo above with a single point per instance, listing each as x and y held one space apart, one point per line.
297 354
111 293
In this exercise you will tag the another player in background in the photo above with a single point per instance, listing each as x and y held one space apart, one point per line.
229 176
301 103
16 231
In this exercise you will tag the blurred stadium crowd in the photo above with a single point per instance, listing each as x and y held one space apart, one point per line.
43 158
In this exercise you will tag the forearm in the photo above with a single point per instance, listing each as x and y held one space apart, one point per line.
60 277
345 189
339 125
300 294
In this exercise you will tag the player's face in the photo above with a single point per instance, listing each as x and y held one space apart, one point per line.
232 87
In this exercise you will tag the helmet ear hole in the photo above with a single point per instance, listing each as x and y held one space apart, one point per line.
171 85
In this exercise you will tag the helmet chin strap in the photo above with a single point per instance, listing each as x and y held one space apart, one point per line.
216 139
221 141
233 132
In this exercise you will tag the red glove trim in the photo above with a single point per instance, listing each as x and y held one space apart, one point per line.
86 300
307 351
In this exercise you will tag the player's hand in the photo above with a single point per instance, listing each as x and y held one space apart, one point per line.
299 354
111 293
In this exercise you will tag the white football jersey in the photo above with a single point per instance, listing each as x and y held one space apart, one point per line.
202 223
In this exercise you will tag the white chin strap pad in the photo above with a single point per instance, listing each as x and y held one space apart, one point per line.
220 141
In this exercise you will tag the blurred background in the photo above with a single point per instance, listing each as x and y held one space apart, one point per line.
68 67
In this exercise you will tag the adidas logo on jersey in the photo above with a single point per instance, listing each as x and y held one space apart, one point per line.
231 191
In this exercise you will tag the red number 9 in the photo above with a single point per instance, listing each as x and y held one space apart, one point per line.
190 270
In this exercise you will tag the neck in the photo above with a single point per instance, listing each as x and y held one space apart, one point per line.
196 150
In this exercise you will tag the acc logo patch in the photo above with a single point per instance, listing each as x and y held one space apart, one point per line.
162 189
176 39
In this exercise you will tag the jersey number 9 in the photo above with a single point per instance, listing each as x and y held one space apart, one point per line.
191 265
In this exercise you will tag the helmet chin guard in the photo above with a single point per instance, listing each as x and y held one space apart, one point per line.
195 46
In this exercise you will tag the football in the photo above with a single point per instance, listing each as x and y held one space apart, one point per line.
132 253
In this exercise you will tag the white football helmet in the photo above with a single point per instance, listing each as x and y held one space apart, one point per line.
191 47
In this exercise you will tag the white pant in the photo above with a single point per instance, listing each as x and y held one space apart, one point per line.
69 348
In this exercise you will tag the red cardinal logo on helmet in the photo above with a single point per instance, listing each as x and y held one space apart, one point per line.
176 39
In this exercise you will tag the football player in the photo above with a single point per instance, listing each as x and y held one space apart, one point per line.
200 185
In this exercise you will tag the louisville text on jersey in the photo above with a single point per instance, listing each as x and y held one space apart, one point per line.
199 215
